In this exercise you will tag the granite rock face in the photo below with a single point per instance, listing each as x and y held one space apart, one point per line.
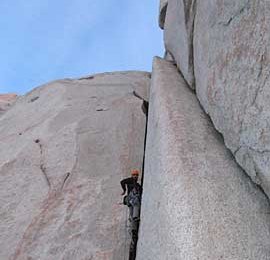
6 101
178 35
232 78
197 202
223 46
65 147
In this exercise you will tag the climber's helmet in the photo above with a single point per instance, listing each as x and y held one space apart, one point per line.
135 174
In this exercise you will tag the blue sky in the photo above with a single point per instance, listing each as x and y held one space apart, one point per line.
44 40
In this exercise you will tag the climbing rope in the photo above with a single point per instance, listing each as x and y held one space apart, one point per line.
126 230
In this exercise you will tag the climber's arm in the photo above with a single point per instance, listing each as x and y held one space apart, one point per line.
123 185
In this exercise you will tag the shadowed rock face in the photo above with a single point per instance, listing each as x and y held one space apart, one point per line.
162 13
64 148
223 46
178 36
197 203
6 100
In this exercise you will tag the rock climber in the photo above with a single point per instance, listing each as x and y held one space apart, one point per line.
133 197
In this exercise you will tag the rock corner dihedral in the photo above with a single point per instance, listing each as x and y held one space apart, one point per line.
61 159
66 145
197 202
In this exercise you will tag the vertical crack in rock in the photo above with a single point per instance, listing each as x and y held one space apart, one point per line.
136 224
65 179
144 105
192 54
145 108
42 166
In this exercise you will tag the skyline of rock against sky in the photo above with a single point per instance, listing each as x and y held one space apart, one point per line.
48 40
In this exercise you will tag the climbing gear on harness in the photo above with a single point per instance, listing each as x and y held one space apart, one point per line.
133 201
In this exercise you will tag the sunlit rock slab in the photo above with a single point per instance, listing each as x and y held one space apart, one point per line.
197 202
231 64
221 48
65 147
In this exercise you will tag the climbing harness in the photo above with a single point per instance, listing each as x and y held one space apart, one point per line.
133 201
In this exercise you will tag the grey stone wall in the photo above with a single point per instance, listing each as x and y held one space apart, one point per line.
221 48
197 202
65 147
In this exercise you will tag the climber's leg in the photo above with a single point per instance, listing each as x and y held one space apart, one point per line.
130 212
136 212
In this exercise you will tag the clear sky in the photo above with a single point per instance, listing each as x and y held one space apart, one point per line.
44 40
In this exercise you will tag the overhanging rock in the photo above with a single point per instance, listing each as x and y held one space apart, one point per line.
197 202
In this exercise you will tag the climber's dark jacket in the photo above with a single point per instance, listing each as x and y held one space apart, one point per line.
130 183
